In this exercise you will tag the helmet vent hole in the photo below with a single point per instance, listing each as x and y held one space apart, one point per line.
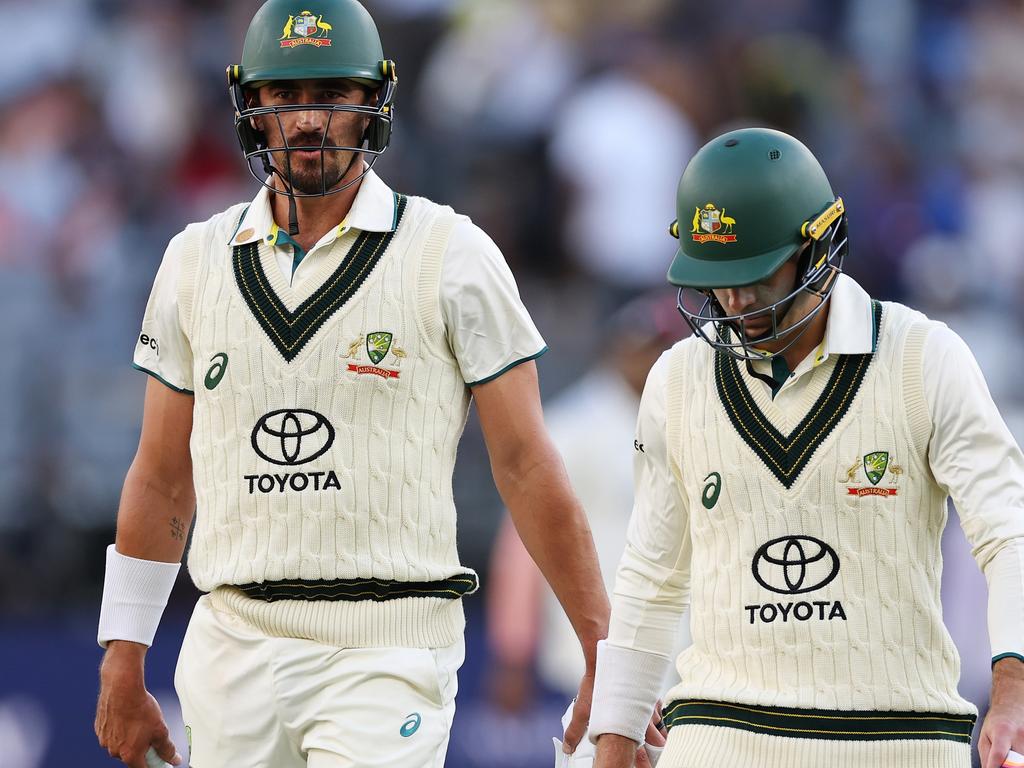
732 142
774 154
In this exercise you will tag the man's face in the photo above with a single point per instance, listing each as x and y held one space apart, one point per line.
752 299
307 128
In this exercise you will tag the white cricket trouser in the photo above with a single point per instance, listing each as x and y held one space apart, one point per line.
249 699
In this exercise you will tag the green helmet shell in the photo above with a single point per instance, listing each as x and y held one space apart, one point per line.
311 39
742 204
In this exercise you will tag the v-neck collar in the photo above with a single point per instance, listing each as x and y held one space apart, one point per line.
754 415
288 319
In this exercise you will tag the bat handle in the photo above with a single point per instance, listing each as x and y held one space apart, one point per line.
1013 760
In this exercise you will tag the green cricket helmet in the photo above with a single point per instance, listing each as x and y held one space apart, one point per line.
750 200
327 39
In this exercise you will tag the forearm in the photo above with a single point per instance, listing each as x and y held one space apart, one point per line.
614 751
154 515
1007 684
554 529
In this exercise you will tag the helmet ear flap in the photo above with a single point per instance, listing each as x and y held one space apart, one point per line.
251 138
378 133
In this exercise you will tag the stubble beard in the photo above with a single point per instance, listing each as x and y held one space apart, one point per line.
306 177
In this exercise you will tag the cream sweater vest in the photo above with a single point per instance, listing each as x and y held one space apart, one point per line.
325 429
816 566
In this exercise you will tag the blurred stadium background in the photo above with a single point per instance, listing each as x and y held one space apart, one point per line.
561 127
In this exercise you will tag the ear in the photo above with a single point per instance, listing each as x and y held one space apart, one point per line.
252 99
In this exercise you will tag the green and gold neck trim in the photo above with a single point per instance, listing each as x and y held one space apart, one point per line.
834 724
786 455
289 331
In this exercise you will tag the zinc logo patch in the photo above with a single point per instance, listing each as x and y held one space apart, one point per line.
411 724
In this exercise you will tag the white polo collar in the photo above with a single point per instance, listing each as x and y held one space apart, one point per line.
374 209
849 328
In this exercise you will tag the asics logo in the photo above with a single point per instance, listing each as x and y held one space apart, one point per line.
411 724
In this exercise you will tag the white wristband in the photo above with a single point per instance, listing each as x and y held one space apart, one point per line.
625 690
135 594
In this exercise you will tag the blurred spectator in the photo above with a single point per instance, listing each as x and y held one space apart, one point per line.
618 145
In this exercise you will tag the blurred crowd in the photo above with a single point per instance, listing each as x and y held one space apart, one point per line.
560 126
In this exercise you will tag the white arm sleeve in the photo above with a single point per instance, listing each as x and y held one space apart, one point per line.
973 455
652 585
652 582
488 327
162 349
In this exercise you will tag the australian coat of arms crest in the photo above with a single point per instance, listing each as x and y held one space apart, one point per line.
306 28
712 223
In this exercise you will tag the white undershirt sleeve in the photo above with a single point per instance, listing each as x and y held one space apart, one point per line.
488 327
652 584
973 455
162 349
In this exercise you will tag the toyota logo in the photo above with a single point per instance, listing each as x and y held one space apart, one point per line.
292 436
792 565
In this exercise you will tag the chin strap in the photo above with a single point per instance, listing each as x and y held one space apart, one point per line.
293 213
293 216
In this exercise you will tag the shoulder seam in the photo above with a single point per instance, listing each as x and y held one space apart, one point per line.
916 405
429 312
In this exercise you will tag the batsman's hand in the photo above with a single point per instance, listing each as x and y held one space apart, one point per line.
128 718
1003 729
577 727
614 751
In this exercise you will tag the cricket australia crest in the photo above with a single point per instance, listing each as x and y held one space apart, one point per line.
875 464
377 346
710 223
873 467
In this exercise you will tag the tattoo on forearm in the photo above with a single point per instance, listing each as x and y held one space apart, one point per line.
177 529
